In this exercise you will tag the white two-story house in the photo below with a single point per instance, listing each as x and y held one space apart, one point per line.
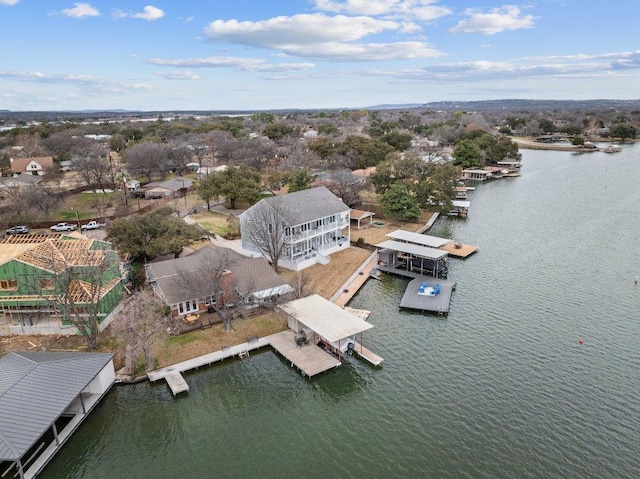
309 224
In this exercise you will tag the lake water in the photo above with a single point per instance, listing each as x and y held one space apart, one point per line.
500 388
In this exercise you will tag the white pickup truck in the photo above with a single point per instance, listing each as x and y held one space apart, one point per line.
92 225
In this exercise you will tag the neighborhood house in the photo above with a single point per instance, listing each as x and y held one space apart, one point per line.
315 223
33 166
212 275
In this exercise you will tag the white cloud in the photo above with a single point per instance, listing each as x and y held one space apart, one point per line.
8 2
149 13
98 83
80 10
508 17
421 10
298 29
336 51
320 36
242 64
178 75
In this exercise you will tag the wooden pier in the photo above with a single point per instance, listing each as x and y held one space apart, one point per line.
308 358
240 350
459 250
176 382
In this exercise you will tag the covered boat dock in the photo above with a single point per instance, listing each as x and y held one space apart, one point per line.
456 249
395 256
332 326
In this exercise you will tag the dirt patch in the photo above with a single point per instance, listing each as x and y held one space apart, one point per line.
41 343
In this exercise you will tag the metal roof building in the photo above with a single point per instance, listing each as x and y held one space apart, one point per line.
325 318
44 396
418 238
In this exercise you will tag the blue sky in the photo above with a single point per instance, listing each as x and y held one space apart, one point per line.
262 54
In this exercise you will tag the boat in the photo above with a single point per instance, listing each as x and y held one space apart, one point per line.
612 149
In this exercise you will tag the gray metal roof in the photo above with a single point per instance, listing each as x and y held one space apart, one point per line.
191 277
417 238
325 318
413 249
308 205
35 389
174 184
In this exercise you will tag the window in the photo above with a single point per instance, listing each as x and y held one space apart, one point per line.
8 284
46 283
188 306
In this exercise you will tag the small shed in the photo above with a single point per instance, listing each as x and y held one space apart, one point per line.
359 215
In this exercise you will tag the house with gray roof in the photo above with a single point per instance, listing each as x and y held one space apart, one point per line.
175 187
211 276
44 397
314 224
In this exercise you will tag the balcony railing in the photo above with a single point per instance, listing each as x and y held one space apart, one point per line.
312 232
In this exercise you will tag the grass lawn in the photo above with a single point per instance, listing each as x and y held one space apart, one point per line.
174 349
213 222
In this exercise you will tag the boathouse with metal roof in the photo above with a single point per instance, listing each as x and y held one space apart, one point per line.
44 397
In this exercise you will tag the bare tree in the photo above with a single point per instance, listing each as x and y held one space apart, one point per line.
139 325
146 159
347 186
267 227
301 284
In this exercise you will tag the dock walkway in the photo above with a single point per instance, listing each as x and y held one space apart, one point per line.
367 354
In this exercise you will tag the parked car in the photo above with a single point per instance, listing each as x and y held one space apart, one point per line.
92 225
63 227
18 230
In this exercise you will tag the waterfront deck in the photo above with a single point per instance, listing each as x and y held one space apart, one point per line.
459 252
308 358
436 304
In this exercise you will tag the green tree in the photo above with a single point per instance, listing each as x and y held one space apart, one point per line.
145 237
547 126
300 180
624 132
577 140
329 129
277 131
399 141
436 189
398 203
235 184
467 154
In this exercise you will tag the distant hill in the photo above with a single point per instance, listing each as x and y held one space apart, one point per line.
529 105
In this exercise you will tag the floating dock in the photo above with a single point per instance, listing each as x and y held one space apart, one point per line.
438 303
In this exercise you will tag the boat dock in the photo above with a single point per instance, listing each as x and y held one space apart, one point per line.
459 250
438 303
173 374
308 358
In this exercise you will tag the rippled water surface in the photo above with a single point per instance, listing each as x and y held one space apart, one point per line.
501 388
